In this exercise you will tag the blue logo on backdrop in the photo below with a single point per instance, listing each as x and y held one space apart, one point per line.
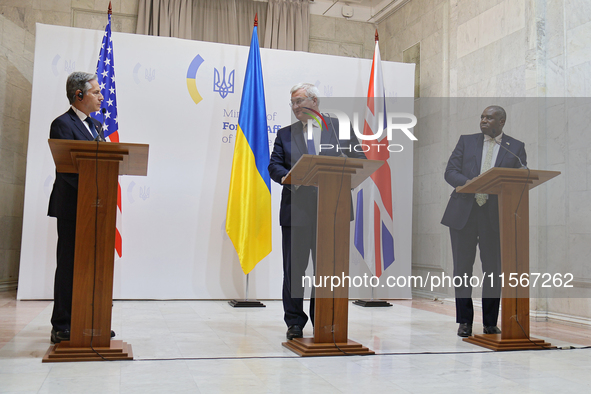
150 74
220 85
69 66
54 65
144 192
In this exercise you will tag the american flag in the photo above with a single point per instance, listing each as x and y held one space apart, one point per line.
105 70
374 218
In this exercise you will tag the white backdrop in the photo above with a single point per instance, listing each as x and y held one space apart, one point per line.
174 242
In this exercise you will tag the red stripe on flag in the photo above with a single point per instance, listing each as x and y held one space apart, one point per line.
377 238
118 239
382 177
114 136
382 180
119 197
370 101
118 242
371 94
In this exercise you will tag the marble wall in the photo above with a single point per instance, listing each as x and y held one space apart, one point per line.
17 47
530 56
565 64
424 22
341 37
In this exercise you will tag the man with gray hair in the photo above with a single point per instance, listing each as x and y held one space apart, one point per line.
84 95
298 212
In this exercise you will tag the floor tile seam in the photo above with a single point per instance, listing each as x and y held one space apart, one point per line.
261 383
373 381
329 383
188 371
475 376
301 359
20 329
194 373
221 338
11 338
45 379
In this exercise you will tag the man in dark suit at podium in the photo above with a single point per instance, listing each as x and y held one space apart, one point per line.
84 94
473 219
298 204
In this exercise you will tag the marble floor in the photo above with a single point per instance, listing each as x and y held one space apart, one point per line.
210 347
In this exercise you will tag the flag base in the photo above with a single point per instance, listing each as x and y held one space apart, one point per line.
372 303
246 304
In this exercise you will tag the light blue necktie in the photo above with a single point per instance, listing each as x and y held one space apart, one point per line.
91 126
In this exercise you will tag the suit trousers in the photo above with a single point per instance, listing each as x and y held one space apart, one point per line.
64 275
478 231
298 243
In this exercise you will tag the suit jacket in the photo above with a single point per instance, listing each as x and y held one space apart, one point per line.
298 206
464 164
64 196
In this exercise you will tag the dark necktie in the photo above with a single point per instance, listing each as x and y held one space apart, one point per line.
91 126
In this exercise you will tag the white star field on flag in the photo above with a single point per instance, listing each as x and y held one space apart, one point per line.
105 71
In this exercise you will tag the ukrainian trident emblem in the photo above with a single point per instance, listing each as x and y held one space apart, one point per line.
219 83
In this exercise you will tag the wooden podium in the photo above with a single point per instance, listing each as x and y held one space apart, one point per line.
98 165
512 186
334 177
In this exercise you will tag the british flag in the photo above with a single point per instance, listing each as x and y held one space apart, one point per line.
105 70
374 218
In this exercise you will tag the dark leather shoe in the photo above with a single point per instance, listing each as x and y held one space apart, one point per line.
491 330
465 330
294 331
58 336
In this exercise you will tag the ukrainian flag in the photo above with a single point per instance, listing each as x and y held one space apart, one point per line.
248 218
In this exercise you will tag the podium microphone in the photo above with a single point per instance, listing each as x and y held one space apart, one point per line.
523 166
100 135
339 148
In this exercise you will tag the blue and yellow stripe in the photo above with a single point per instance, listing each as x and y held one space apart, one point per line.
191 76
248 217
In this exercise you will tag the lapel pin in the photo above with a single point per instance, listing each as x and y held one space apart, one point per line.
507 143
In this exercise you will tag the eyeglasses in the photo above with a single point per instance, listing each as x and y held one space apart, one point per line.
298 102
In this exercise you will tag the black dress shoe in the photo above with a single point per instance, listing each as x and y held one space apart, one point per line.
491 330
465 330
294 331
58 336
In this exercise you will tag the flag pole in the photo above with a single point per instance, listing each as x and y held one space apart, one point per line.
246 303
246 296
372 302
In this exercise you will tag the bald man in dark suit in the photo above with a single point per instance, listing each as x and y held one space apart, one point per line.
473 219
